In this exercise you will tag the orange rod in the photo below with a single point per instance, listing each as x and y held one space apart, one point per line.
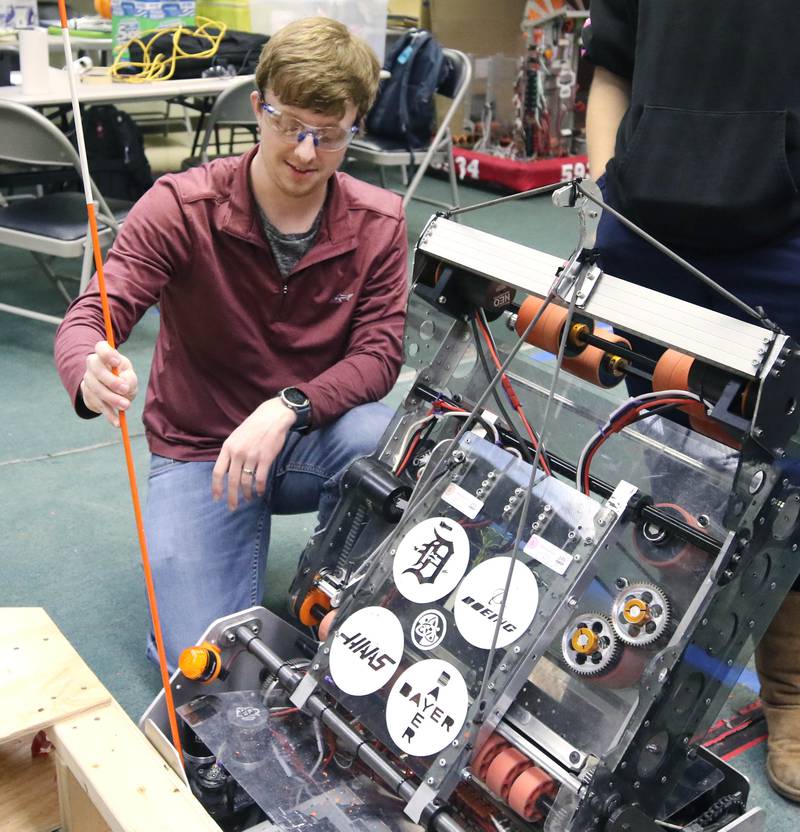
126 442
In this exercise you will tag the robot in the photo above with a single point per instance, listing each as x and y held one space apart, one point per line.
534 598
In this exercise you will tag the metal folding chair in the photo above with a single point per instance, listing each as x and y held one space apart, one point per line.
49 225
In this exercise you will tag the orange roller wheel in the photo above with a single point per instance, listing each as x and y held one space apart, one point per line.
103 8
485 757
598 366
547 333
504 770
713 430
527 790
672 373
309 613
326 624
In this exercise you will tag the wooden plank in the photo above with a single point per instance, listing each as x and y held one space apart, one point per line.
78 813
127 781
42 678
28 796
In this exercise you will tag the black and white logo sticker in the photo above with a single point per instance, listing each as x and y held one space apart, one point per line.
480 595
431 559
427 707
366 650
428 629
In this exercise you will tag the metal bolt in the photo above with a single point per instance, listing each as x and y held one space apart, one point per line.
479 492
574 757
751 622
442 762
455 743
442 299
571 535
429 781
491 475
758 433
516 648
315 666
506 508
254 626
230 637
326 650
491 685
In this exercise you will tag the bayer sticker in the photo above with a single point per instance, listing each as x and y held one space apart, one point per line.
431 559
426 707
366 650
428 629
480 596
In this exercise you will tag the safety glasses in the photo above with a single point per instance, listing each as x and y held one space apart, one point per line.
292 130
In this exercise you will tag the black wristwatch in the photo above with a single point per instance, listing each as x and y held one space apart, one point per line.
297 401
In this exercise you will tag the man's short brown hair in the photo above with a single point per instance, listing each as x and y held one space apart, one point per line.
317 64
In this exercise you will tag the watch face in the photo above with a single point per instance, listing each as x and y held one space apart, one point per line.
295 397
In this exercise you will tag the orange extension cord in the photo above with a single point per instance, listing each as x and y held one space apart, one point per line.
123 424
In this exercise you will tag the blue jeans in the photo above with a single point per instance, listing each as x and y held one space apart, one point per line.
208 561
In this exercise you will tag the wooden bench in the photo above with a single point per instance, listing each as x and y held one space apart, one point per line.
102 773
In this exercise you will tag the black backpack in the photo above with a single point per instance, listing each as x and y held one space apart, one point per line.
405 108
240 50
115 150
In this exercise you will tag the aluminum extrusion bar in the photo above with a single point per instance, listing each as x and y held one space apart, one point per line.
728 343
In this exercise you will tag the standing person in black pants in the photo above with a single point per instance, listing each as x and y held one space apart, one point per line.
693 129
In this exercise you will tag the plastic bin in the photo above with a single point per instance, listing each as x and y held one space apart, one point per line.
365 18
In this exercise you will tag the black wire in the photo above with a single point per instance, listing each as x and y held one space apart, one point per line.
523 446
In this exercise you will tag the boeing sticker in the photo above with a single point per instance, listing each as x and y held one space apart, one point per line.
479 598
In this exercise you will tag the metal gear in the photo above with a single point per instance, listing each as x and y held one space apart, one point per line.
640 614
589 645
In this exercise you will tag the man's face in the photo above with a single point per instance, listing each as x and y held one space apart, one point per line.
300 168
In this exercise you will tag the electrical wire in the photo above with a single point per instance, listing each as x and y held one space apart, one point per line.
524 452
160 67
511 393
123 422
626 414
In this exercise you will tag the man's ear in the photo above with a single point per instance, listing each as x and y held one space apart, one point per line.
255 102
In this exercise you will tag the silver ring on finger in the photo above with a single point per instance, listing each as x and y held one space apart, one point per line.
248 471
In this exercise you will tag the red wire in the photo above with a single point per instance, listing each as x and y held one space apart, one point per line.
617 425
511 393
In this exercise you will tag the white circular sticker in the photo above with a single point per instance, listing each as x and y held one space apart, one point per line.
431 559
428 629
366 650
478 600
427 707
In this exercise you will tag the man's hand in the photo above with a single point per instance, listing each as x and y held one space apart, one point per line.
249 452
102 391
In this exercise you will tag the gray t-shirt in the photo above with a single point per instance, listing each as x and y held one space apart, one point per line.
289 249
